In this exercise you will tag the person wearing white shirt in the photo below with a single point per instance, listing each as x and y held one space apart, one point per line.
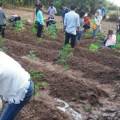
71 25
16 87
110 39
52 10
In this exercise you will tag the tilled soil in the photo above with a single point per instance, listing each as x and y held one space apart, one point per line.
95 74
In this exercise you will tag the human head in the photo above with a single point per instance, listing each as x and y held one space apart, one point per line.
39 6
51 4
72 7
110 32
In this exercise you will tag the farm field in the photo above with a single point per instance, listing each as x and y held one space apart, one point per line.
90 84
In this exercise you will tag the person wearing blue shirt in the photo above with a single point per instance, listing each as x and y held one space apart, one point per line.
39 20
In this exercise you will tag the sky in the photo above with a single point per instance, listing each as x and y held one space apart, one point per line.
116 2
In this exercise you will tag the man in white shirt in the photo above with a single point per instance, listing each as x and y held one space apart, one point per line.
52 10
16 88
71 25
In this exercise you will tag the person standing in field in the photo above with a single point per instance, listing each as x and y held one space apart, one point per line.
2 21
96 24
39 20
52 10
16 87
71 26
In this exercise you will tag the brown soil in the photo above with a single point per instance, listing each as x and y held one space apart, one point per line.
90 80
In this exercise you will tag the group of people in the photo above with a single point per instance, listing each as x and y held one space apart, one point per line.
77 23
16 86
39 17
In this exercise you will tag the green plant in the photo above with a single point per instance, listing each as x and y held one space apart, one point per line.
94 47
19 25
52 31
32 55
64 55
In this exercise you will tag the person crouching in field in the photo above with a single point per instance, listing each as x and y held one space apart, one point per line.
110 40
39 20
2 21
16 86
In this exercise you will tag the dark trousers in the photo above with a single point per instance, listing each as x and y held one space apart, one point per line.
11 110
2 30
70 38
39 29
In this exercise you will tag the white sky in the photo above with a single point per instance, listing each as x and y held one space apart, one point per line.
116 2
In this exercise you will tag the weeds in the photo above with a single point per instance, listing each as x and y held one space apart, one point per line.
64 55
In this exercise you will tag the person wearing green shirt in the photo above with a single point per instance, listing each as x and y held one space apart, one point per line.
39 20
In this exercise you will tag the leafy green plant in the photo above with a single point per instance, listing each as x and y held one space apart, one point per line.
52 31
32 55
64 55
94 47
19 25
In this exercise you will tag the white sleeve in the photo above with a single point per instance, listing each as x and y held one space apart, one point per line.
65 20
55 10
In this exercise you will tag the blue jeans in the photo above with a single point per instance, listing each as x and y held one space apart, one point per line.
10 110
97 30
79 35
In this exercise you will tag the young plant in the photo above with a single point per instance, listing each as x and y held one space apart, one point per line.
94 47
52 31
64 55
19 25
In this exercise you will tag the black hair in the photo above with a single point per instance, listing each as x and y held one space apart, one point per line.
110 32
72 7
39 7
